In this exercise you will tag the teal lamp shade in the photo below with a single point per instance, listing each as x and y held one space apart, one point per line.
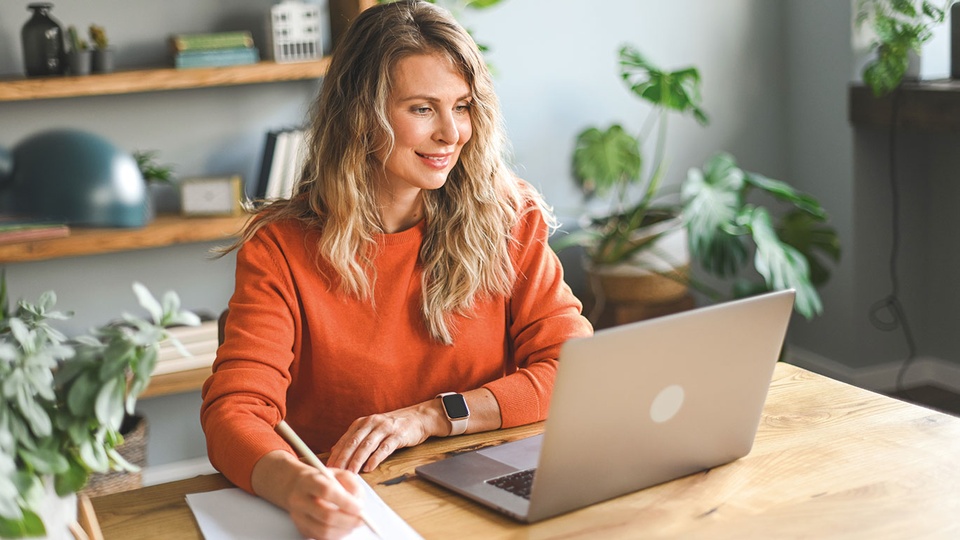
73 177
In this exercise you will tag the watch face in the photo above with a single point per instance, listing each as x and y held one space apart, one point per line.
455 406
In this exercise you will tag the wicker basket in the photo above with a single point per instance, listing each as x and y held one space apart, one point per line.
134 450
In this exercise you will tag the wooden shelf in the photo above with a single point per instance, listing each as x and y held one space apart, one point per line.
932 106
163 231
160 79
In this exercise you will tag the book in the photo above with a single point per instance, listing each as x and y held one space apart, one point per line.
289 153
13 231
200 343
216 58
266 162
275 179
213 40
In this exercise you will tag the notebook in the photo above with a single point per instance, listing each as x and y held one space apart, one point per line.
634 406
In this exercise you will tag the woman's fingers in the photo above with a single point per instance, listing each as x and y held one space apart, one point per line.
371 439
322 507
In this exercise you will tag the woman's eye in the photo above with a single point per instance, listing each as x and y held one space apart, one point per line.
462 108
421 110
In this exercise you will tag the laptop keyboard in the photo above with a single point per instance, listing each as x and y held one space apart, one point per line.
518 483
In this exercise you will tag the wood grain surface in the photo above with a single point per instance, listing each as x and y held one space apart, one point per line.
830 461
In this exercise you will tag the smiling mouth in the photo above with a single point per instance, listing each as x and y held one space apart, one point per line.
440 160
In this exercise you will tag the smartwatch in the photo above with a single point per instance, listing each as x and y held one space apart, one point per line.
455 407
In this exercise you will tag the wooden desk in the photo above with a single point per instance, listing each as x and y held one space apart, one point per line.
830 461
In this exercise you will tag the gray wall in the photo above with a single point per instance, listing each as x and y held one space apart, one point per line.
774 83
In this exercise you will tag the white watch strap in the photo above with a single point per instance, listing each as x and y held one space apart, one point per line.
459 425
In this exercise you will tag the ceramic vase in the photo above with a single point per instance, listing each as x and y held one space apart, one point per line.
43 47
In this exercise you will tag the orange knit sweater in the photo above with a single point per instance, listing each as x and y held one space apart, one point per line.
298 348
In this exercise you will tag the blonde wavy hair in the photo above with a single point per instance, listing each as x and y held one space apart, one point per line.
466 248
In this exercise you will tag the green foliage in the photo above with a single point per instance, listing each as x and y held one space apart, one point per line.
722 223
76 42
900 26
726 229
606 160
610 161
151 169
675 90
99 37
62 401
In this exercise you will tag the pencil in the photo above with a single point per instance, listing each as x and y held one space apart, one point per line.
301 447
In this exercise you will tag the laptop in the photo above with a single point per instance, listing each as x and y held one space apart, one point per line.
634 406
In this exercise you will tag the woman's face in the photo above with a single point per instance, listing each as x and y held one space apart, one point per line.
429 110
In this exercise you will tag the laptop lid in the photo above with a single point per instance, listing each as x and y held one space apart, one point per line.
638 405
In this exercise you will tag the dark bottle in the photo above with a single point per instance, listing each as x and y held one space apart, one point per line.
43 49
955 41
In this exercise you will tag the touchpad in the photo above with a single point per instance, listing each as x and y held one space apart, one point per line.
522 454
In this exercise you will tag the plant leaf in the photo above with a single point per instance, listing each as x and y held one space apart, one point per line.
711 203
677 90
602 160
29 525
72 480
148 302
786 192
109 406
782 266
814 239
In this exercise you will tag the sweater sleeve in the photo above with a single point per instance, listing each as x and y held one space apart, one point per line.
246 394
543 313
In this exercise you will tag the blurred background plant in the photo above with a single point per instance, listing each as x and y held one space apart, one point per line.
901 28
62 401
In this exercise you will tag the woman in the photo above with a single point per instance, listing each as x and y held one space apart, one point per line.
409 263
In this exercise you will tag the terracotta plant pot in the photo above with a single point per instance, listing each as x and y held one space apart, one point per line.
652 283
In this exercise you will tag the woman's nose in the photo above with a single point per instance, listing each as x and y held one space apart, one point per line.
447 131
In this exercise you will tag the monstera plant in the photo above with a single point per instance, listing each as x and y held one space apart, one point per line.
720 210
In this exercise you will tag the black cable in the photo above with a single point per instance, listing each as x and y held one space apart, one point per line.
891 303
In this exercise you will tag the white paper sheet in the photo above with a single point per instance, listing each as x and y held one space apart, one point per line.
233 514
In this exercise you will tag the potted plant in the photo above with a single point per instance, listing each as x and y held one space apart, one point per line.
644 242
634 246
901 27
63 400
79 56
162 192
102 53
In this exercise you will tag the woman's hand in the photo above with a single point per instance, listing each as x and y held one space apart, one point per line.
320 507
371 439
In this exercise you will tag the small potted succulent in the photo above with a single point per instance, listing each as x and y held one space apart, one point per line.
63 401
79 55
102 53
161 191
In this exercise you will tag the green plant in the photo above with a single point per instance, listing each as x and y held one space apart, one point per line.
62 400
608 163
99 37
76 42
151 169
723 222
900 26
724 225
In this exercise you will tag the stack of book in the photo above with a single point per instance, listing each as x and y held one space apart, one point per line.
284 153
213 49
198 342
13 230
